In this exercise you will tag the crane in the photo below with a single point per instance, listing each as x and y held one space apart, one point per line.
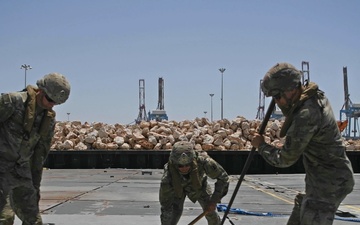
142 112
350 125
159 114
260 114
305 72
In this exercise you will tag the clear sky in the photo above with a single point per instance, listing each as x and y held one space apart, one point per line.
105 47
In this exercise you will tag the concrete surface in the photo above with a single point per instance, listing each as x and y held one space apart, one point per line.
130 197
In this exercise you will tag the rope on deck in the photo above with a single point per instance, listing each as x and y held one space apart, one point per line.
222 208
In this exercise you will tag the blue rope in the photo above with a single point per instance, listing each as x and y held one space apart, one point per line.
222 208
350 219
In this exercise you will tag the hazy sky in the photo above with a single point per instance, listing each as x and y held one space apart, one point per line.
105 47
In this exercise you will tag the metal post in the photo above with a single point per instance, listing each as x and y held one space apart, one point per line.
211 106
222 70
25 67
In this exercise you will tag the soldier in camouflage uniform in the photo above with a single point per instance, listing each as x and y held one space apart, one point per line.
311 131
186 174
27 123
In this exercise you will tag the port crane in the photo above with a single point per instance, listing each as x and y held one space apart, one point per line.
351 111
142 111
159 114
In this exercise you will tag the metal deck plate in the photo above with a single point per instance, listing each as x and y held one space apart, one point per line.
130 197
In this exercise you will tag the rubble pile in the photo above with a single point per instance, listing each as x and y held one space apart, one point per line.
152 135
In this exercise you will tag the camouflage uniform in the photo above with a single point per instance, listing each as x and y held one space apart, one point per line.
312 132
172 201
26 131
14 200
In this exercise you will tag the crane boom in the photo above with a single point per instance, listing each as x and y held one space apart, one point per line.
346 89
161 94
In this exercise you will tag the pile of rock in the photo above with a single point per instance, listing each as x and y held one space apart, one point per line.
218 135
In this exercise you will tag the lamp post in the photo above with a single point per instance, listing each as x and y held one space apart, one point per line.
222 70
205 113
68 116
25 67
211 106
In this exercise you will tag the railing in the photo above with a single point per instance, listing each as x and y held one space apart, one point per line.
232 161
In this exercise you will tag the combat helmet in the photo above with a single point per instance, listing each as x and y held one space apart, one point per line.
281 77
55 86
182 153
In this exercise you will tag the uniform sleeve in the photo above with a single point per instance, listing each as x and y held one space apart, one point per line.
6 107
41 152
215 171
166 193
302 129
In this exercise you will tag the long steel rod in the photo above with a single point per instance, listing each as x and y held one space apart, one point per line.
249 159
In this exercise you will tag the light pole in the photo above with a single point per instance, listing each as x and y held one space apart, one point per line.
25 67
205 113
211 106
68 116
222 70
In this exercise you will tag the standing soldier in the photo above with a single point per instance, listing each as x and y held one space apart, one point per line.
186 174
27 123
311 132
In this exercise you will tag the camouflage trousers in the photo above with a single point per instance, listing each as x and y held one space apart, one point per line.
308 211
21 188
170 214
14 207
